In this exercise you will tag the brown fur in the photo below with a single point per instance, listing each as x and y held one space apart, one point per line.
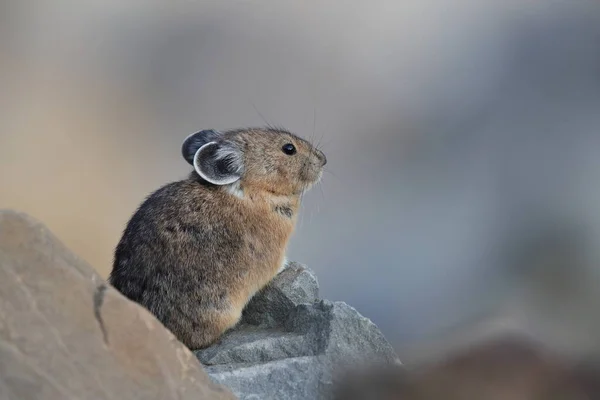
194 253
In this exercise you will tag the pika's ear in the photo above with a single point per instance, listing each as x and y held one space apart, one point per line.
219 163
193 142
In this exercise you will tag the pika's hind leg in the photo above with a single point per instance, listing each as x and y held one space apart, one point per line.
211 329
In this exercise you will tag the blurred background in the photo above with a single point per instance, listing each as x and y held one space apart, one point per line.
455 132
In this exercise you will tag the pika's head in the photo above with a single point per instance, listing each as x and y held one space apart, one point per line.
261 159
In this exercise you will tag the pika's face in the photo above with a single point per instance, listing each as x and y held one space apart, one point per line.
268 160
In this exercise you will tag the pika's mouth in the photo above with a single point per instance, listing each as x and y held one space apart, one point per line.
319 177
309 183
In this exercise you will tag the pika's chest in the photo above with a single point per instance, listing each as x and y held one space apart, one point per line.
269 233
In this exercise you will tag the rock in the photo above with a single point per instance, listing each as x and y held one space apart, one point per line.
66 334
294 285
339 332
290 345
507 367
249 344
289 378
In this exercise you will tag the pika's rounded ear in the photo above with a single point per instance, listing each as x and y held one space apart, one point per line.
193 142
219 163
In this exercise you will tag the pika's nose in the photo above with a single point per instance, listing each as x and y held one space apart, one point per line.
321 157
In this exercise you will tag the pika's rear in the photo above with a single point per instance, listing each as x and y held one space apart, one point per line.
197 250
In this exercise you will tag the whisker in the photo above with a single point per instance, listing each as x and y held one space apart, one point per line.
323 144
319 143
265 121
321 190
314 132
301 222
332 174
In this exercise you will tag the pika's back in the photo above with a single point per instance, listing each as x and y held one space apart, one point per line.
176 206
176 228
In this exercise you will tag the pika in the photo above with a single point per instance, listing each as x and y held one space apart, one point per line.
196 250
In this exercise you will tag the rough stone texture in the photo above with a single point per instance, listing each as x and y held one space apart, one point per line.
291 345
294 285
65 334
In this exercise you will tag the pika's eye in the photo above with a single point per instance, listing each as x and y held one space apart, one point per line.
289 149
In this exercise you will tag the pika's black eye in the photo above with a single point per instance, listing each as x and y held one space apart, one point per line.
289 149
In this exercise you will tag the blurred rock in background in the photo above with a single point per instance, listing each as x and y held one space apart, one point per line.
502 368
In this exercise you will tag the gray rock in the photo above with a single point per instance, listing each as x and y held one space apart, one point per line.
66 334
294 285
288 379
249 344
338 331
290 345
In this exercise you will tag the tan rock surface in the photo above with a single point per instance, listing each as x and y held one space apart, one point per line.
65 334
